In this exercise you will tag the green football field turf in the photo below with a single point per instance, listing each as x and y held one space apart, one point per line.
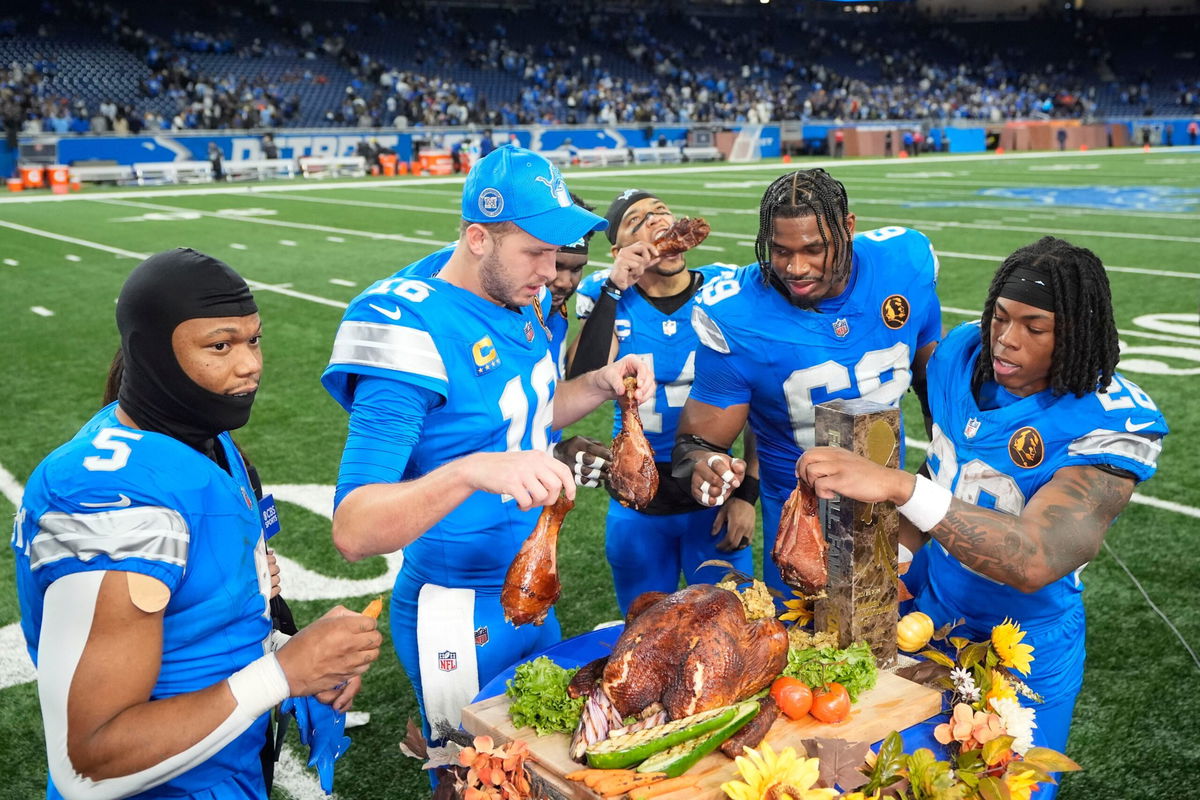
309 247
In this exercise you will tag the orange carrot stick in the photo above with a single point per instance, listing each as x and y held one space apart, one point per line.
620 784
664 787
374 608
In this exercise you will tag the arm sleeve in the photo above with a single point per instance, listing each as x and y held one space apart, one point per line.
68 610
595 338
386 420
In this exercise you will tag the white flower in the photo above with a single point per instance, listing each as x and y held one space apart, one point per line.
1018 722
964 684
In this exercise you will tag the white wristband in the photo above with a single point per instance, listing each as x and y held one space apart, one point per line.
259 686
928 504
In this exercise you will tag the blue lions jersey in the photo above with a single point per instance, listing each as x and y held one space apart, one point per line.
120 499
757 348
1000 458
495 375
666 342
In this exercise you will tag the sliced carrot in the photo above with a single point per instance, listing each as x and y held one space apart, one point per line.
620 784
598 775
374 608
581 774
664 787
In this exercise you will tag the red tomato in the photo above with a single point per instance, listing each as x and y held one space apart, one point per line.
792 695
831 703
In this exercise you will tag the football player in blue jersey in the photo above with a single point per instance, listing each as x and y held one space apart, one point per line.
825 313
142 569
643 305
1037 446
447 372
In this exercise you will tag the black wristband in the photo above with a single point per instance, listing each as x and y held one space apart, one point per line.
611 289
748 490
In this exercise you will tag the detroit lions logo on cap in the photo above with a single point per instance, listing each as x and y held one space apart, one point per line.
491 202
557 187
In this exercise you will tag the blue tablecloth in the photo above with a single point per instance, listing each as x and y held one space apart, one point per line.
579 650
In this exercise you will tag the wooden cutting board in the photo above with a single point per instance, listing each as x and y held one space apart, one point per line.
893 705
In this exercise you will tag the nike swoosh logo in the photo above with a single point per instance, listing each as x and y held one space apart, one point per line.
121 503
390 313
1134 428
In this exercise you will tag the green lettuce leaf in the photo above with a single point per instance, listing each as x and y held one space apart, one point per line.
539 697
854 667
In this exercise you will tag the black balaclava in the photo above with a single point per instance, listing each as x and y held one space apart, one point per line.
161 292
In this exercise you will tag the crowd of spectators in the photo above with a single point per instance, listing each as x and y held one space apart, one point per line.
600 68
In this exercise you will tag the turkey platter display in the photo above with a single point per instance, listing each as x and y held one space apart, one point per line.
679 654
632 474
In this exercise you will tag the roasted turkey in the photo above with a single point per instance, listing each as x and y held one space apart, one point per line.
632 473
531 586
691 651
686 233
800 545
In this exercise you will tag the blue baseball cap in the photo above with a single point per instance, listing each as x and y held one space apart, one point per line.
512 184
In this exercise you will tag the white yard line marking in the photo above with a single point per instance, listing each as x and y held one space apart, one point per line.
1161 273
11 262
73 257
253 284
335 239
287 243
980 225
236 246
342 282
304 226
366 204
42 311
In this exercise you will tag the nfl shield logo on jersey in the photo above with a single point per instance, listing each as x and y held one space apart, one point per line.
447 661
972 428
481 636
669 327
841 327
529 331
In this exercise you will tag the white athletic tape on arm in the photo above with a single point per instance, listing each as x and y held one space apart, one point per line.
68 609
928 505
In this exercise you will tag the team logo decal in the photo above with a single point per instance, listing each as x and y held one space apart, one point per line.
481 636
447 660
972 428
669 327
841 327
896 311
558 189
529 331
246 498
1026 448
491 202
623 328
485 356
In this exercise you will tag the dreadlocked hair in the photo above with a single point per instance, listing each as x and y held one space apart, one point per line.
1085 334
805 192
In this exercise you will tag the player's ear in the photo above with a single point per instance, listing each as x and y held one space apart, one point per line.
850 218
475 237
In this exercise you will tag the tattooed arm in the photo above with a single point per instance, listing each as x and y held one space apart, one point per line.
1060 529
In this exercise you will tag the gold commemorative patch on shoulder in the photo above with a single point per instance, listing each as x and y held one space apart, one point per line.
895 311
1026 448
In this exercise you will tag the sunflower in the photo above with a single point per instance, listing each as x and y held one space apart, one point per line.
1001 689
1006 641
780 776
1021 783
799 610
